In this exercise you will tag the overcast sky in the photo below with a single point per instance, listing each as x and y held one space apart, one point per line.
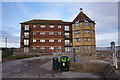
105 14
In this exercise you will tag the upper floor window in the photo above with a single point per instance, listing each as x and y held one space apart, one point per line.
94 40
42 48
26 27
42 33
93 32
66 28
34 33
87 39
87 31
26 42
52 48
77 47
87 47
42 40
59 48
66 35
77 32
59 33
93 25
51 33
26 34
34 40
51 26
76 23
51 40
42 26
34 48
59 26
59 40
34 26
77 39
86 22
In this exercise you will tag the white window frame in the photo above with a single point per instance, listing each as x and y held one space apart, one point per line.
26 42
26 34
26 49
87 47
34 33
59 40
67 42
51 40
51 26
87 39
42 26
42 40
34 40
66 28
77 40
42 33
42 48
51 48
87 31
59 26
51 32
34 26
34 48
26 27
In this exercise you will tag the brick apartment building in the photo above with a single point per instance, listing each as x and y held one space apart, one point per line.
51 35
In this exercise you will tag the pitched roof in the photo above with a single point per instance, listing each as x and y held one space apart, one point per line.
81 16
39 21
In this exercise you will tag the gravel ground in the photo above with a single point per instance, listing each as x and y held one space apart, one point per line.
38 67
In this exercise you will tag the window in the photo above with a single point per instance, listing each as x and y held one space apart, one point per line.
59 48
76 23
26 27
77 39
42 33
26 42
94 40
87 31
59 40
34 40
26 49
42 48
59 33
42 40
66 28
86 22
34 48
34 26
51 26
93 32
67 42
66 35
59 26
26 34
42 26
51 40
77 47
52 48
77 32
87 39
34 33
93 25
87 47
51 33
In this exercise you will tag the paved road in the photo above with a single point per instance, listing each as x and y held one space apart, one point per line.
38 67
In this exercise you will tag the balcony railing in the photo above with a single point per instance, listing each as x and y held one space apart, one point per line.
25 45
23 29
67 37
68 30
68 44
25 36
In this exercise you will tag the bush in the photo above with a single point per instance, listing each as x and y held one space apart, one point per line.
7 52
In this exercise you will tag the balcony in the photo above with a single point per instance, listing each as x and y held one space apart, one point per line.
25 30
67 37
25 45
67 30
68 45
25 37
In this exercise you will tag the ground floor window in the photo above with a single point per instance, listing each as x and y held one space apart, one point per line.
26 49
67 49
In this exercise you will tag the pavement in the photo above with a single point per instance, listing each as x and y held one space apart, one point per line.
38 67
